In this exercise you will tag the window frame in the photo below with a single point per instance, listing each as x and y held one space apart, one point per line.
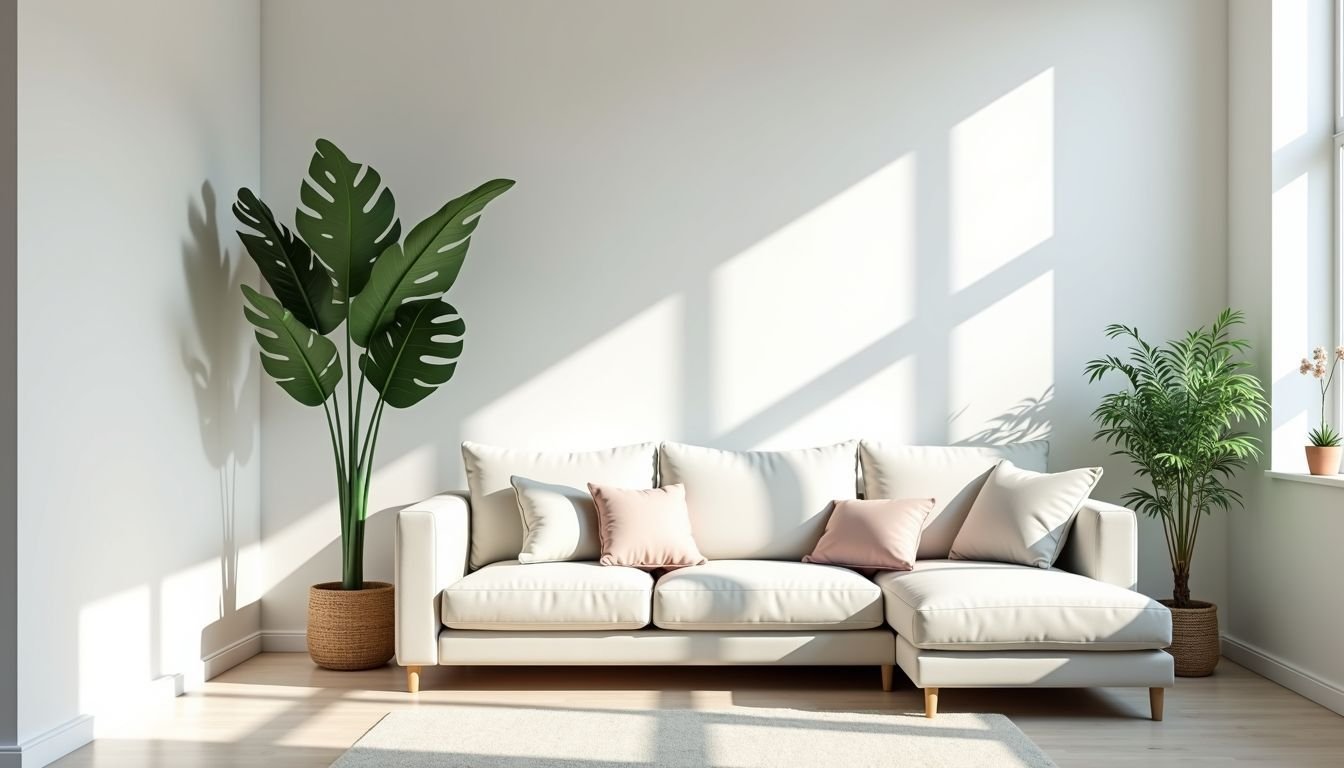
1336 404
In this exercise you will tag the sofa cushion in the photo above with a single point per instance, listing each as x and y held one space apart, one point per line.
951 475
496 524
768 505
974 606
549 596
766 594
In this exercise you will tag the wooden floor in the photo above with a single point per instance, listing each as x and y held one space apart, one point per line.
277 709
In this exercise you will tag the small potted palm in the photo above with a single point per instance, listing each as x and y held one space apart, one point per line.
347 266
1176 420
1323 454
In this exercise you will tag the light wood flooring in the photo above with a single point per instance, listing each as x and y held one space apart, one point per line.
277 709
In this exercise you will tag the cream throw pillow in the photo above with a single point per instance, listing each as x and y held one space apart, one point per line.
872 534
559 522
1022 516
646 529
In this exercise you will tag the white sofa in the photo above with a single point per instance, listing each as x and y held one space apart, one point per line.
462 598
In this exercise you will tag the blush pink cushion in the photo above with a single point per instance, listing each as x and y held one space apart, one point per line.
647 529
878 534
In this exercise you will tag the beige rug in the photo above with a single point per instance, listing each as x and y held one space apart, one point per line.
742 737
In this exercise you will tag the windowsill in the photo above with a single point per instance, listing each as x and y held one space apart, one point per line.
1334 481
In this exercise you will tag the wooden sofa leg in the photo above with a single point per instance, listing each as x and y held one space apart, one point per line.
1156 698
413 679
930 702
887 670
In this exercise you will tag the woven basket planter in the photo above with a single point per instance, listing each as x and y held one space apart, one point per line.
1194 638
351 629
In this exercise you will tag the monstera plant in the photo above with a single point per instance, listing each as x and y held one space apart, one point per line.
348 265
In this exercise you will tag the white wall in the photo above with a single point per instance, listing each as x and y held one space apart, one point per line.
9 518
753 224
138 462
1283 575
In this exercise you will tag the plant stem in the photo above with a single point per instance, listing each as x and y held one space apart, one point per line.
1180 573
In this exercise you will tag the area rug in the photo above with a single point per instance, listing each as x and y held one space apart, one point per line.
742 737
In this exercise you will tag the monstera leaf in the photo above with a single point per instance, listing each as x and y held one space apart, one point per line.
300 281
303 363
425 268
415 353
351 220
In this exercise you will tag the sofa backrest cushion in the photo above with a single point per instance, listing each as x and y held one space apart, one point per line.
951 475
759 505
496 523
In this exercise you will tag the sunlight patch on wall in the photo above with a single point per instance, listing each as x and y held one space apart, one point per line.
812 294
622 387
1002 358
188 600
114 649
882 407
1289 241
1002 180
1290 84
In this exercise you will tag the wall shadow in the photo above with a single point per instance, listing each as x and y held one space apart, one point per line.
221 380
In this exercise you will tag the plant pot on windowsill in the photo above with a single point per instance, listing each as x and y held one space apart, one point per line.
1194 638
1324 459
351 629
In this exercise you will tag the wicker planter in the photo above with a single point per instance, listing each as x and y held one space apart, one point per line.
1194 638
350 629
1323 460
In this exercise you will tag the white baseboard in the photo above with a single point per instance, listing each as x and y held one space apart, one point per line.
284 641
1290 676
49 746
231 655
60 741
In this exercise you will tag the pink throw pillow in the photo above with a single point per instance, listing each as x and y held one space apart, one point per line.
877 534
648 529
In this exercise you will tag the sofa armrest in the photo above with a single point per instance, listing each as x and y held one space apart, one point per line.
1103 545
430 554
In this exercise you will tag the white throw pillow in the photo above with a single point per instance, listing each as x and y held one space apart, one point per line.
559 522
1022 516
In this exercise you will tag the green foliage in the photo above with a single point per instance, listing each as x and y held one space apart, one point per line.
349 267
1176 420
348 227
1324 436
415 353
426 267
299 280
303 363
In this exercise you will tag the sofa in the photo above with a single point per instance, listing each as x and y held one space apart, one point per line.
463 597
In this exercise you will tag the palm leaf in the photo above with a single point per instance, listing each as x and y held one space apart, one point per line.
426 267
302 362
352 220
298 279
415 353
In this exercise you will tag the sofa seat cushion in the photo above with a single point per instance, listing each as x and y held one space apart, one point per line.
766 595
549 596
966 605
